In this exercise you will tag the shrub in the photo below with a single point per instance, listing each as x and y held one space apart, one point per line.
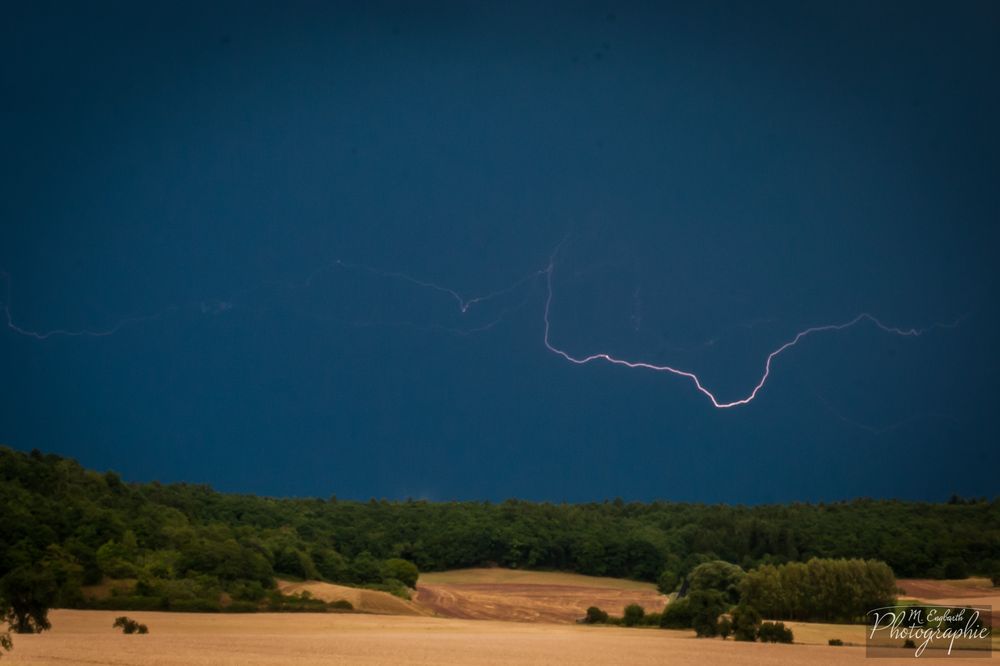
725 627
130 626
132 603
995 578
402 570
238 606
746 623
392 586
835 641
908 643
595 616
774 632
342 604
677 615
651 619
196 605
633 615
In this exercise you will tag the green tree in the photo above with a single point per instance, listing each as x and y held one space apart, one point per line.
26 595
633 615
402 570
746 623
113 560
706 607
667 581
717 575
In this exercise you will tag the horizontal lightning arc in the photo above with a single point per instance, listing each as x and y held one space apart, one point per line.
465 303
74 333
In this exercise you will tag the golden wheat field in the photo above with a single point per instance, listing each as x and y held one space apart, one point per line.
176 639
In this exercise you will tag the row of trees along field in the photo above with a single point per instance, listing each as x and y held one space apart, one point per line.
183 546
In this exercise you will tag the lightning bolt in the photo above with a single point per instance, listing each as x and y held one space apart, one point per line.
465 303
718 404
75 333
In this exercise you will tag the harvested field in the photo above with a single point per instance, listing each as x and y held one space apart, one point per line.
977 592
529 596
176 639
499 576
369 601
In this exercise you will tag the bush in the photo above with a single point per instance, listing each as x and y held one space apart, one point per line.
342 605
835 641
131 602
402 570
196 605
706 606
651 619
774 632
278 602
725 627
392 586
908 643
746 623
130 626
633 615
677 615
995 578
238 606
595 616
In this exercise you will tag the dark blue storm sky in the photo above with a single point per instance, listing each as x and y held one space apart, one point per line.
723 174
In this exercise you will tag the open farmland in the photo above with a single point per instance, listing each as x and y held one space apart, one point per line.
368 601
176 639
529 596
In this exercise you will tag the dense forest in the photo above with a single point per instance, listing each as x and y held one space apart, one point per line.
187 545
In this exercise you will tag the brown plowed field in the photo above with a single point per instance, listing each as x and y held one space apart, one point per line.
529 596
930 590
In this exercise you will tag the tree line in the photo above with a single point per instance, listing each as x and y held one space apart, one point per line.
184 545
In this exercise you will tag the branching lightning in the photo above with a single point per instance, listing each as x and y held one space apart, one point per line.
718 404
465 303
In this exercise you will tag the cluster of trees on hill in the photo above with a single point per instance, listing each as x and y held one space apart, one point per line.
720 598
185 545
819 590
